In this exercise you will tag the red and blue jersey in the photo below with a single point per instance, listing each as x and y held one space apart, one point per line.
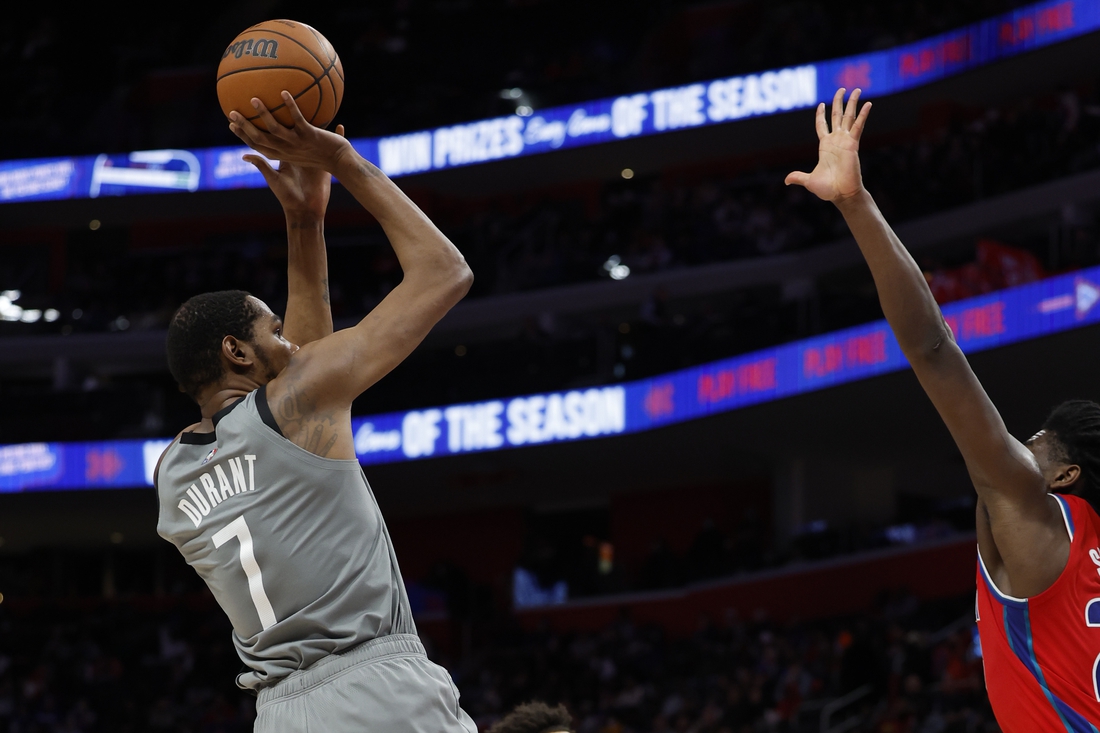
1041 654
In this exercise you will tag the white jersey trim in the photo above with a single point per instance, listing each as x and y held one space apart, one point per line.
1004 597
1065 515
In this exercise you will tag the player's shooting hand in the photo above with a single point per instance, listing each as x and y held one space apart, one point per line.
303 144
837 175
302 191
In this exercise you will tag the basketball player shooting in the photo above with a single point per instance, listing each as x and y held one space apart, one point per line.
264 496
1038 601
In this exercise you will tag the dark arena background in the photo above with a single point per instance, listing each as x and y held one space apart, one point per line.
665 463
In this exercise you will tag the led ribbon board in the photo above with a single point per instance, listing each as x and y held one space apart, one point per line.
558 128
1029 311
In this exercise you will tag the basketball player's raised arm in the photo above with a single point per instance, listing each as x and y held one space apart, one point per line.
340 367
1005 473
303 193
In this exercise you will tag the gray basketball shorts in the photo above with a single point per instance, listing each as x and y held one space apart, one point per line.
387 685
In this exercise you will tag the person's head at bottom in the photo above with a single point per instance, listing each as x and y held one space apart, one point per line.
225 338
535 717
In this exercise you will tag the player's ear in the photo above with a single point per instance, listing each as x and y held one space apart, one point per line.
1067 476
234 351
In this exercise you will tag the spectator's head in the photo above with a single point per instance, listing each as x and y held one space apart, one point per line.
535 717
214 336
1068 450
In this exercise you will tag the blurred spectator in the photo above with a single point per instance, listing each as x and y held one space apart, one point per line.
167 665
996 267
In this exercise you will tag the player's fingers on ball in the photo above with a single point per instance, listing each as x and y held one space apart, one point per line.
838 108
252 138
273 126
245 129
295 113
239 132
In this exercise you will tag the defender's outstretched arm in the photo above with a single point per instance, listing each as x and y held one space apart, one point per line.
1006 475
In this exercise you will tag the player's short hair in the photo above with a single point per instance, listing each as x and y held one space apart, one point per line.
1075 425
535 717
195 336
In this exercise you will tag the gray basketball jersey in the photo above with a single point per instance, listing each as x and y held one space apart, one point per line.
292 545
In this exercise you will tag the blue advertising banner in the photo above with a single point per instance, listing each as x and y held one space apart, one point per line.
94 465
664 110
1029 311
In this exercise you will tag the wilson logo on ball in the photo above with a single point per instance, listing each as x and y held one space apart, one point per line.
264 47
301 62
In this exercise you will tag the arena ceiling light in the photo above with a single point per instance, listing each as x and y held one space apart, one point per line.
525 106
9 311
615 268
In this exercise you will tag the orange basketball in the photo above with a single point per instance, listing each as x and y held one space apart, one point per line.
276 55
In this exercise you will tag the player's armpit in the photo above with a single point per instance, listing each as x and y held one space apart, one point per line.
1024 550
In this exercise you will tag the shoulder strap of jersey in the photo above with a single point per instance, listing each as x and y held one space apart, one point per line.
265 410
1070 512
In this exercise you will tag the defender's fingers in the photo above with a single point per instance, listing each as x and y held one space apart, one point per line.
861 121
798 178
838 108
850 109
274 127
822 125
340 130
295 114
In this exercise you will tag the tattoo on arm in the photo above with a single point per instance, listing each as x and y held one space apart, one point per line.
324 291
317 433
313 445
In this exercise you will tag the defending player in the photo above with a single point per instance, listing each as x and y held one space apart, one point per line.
265 498
535 717
1038 599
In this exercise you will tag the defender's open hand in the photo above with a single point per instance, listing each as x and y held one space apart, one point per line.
837 175
303 144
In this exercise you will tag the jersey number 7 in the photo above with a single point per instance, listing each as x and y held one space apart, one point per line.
239 528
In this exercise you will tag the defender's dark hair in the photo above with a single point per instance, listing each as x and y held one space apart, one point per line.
195 336
1076 428
534 717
